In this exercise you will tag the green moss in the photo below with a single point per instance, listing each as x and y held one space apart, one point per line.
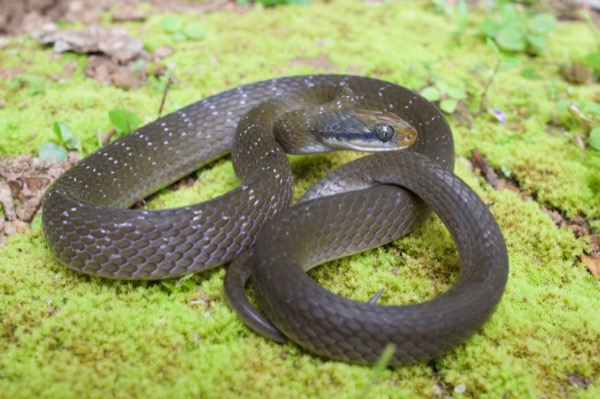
65 334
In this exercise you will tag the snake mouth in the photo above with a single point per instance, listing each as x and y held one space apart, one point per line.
371 131
365 144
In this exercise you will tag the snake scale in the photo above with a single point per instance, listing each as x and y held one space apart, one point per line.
365 203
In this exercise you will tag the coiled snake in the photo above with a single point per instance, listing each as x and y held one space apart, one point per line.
89 228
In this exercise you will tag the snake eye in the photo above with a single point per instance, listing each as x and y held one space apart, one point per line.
384 132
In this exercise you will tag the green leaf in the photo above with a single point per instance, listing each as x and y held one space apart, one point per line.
382 363
505 171
172 23
562 105
542 23
508 62
15 83
124 121
62 131
492 45
36 222
490 27
442 86
595 138
538 42
178 285
530 73
510 15
593 61
456 93
462 14
72 143
431 93
591 108
52 152
510 39
194 31
36 85
449 105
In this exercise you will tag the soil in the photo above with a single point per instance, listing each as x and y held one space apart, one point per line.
19 17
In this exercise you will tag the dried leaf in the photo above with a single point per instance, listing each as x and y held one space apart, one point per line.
592 262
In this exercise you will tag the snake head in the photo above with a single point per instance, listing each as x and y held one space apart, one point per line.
335 121
367 130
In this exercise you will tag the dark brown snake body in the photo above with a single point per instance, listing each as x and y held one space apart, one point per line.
89 229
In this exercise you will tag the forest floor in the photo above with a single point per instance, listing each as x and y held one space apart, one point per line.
523 125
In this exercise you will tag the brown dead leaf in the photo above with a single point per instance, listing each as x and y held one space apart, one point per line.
579 380
595 244
17 16
6 200
23 181
578 224
112 42
104 70
10 228
113 54
592 262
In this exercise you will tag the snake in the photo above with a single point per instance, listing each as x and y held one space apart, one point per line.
90 227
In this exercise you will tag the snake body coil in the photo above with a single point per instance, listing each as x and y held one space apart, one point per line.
88 228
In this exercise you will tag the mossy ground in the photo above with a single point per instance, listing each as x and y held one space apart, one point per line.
64 334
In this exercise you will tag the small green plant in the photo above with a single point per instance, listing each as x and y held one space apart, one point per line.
163 80
588 116
378 368
458 13
595 138
33 84
517 30
182 30
593 61
66 142
447 95
124 121
183 283
503 62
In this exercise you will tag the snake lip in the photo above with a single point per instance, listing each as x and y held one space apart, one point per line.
356 130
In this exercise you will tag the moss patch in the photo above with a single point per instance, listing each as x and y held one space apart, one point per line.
65 334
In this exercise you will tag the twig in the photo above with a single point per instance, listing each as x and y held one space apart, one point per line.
483 103
164 96
488 173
